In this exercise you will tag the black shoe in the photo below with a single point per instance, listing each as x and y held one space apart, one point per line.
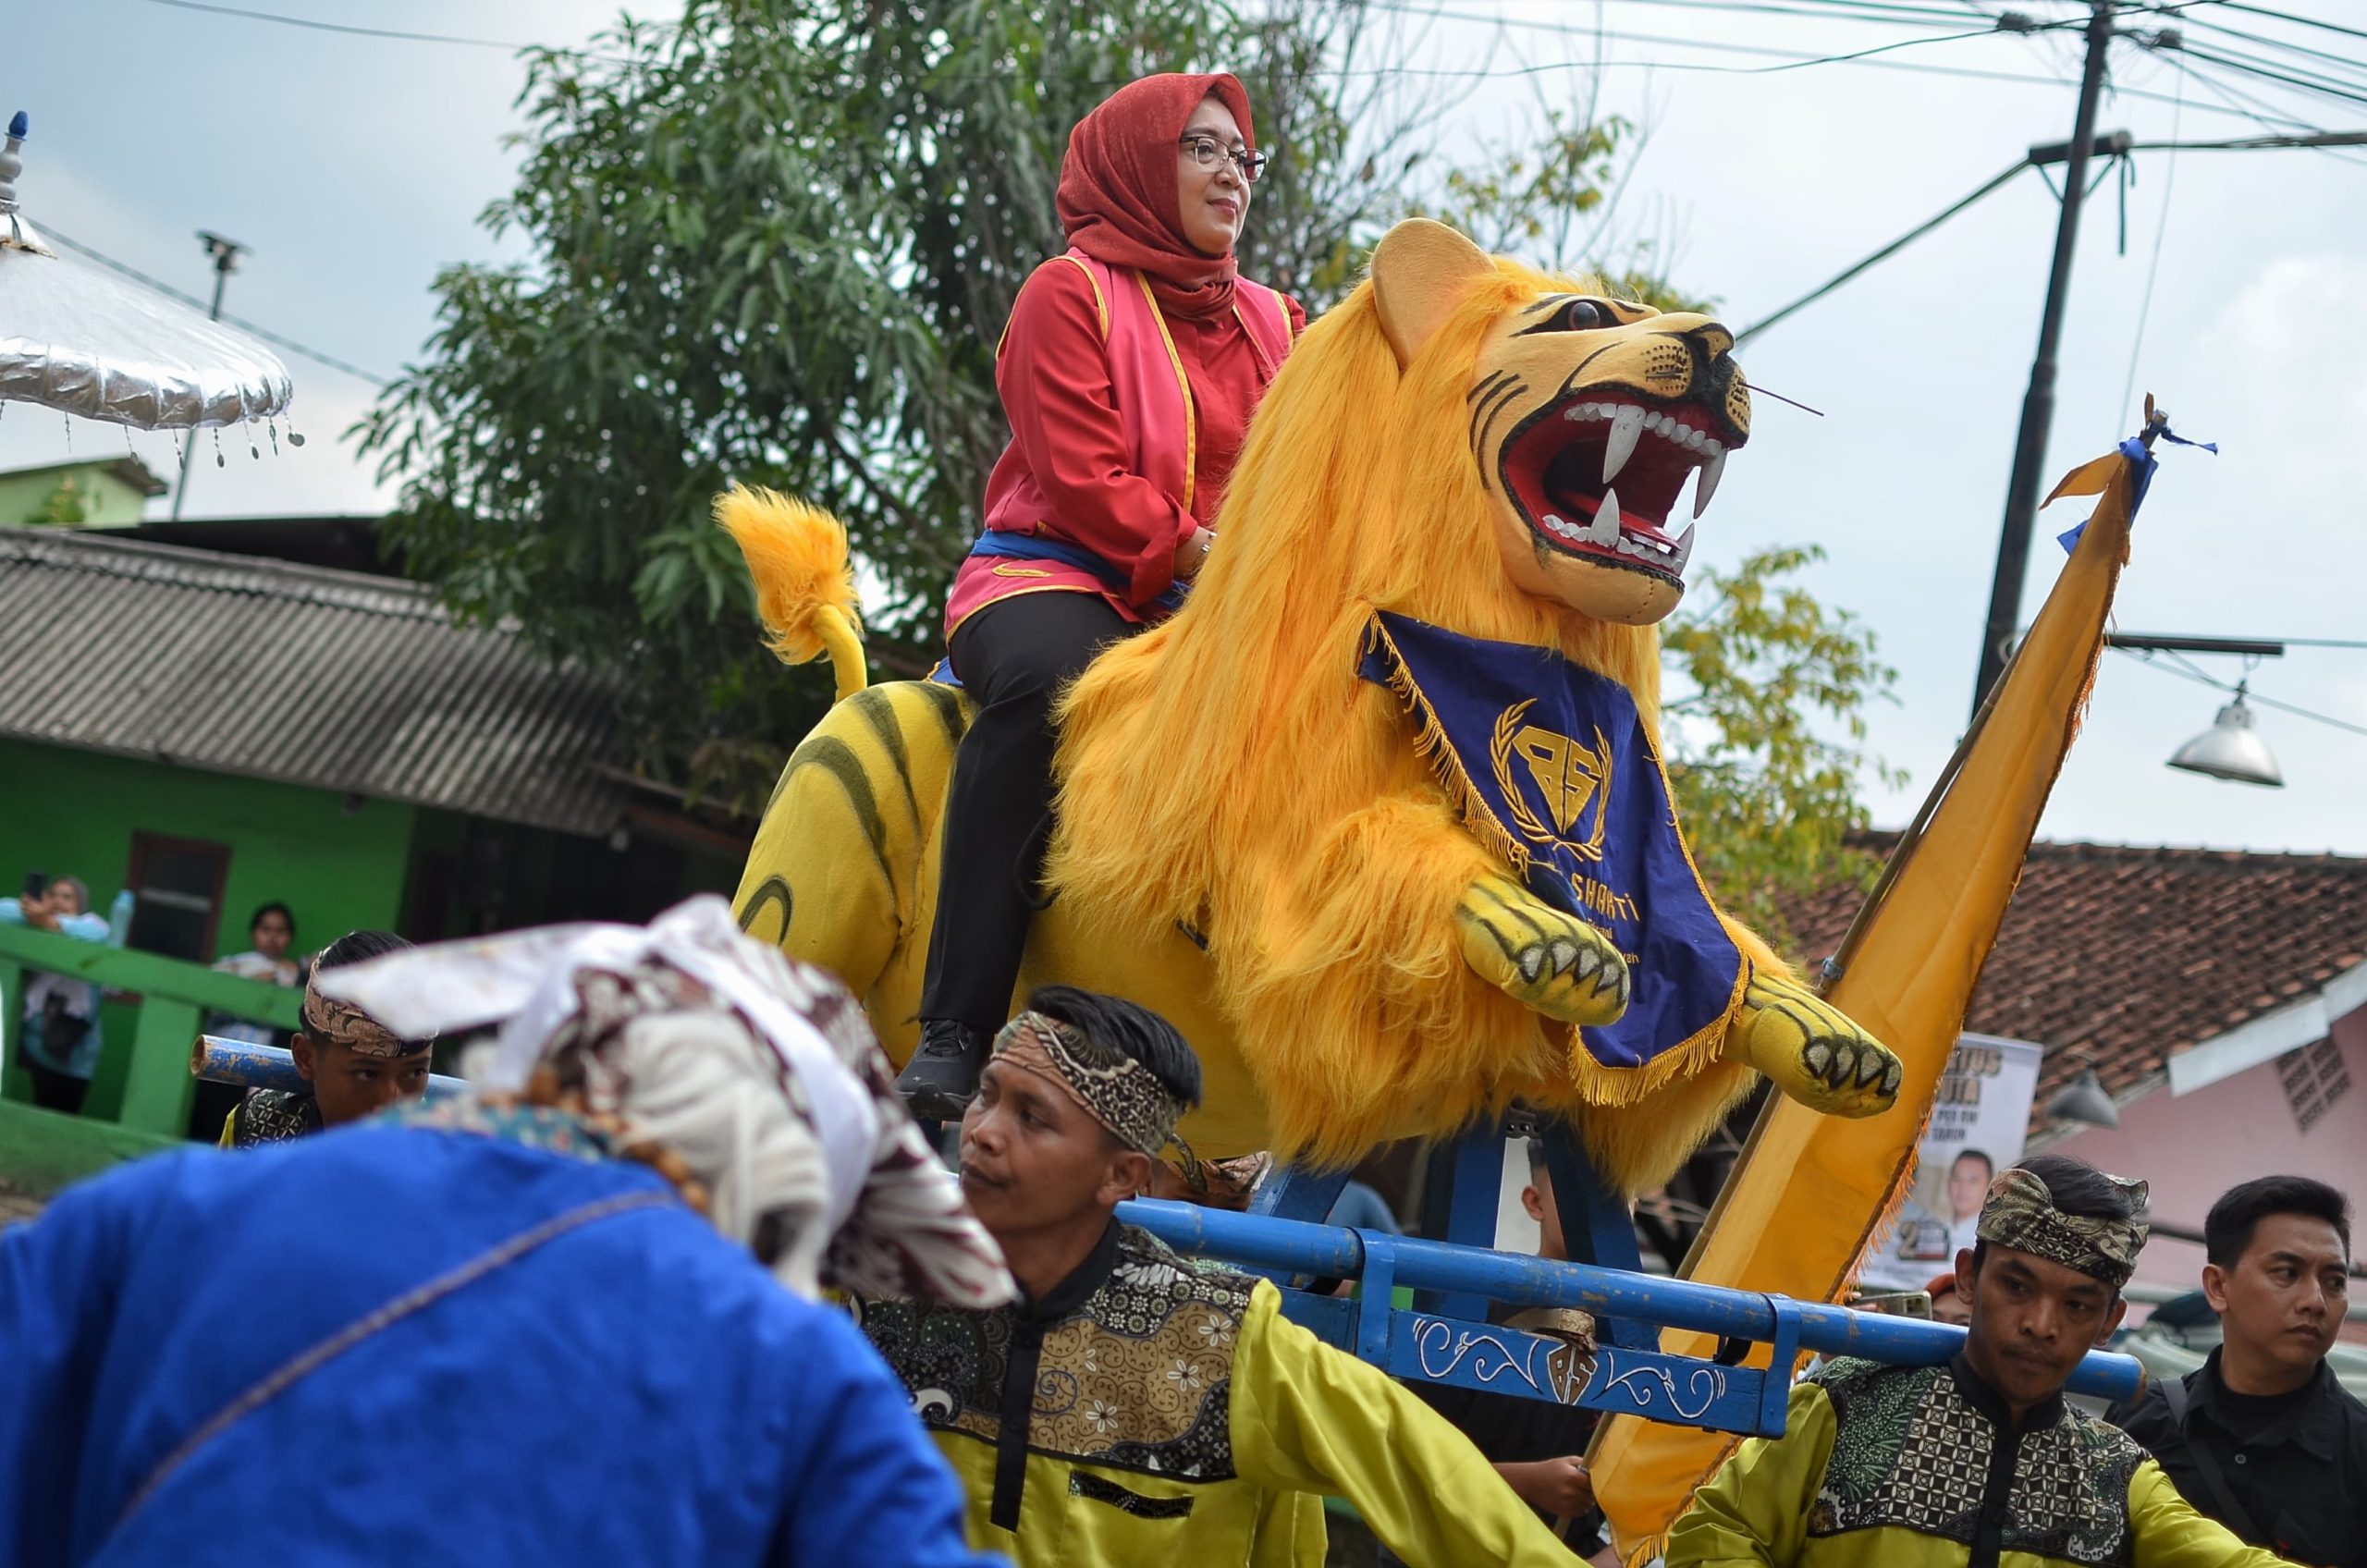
939 1080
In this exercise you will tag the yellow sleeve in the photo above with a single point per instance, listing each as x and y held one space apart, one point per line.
1309 1418
2168 1533
1755 1510
229 1138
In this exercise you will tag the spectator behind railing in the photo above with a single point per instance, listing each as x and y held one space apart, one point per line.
271 931
61 1034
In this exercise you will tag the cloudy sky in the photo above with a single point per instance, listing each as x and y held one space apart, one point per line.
356 167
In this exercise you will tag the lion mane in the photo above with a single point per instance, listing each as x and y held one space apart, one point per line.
1229 771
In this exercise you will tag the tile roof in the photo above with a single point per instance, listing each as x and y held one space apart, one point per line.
2123 956
329 679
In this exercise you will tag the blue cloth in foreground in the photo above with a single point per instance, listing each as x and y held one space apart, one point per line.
1551 766
633 1390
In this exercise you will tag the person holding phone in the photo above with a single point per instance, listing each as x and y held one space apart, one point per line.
60 1038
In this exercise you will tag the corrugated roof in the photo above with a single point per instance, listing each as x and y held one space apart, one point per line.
329 679
2121 957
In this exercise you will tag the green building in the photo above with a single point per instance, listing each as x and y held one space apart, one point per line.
216 731
106 491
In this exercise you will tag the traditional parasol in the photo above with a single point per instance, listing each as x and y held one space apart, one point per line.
85 341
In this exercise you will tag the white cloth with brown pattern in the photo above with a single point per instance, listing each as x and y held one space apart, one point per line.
760 1074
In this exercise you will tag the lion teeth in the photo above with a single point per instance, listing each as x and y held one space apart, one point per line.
1604 529
1563 529
1707 485
1620 445
1684 551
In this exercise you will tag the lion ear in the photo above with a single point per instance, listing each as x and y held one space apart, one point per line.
1419 272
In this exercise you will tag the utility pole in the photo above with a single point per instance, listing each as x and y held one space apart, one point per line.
226 254
2038 403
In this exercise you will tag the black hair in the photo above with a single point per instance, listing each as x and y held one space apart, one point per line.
355 946
1131 1030
2076 1188
274 907
1980 1155
2228 1230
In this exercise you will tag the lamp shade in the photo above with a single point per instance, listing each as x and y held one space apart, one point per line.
2231 749
2083 1099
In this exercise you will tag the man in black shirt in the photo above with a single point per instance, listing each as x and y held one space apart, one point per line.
2261 1437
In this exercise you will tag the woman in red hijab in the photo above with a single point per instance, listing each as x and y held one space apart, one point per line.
1129 372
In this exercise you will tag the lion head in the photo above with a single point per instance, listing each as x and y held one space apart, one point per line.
1436 446
1588 415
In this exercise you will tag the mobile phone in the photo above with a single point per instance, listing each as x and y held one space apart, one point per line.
35 884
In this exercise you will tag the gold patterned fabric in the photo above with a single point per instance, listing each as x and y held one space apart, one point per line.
2019 1213
1152 1413
1923 1467
342 1024
1113 1089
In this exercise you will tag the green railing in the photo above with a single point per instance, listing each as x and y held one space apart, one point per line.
141 1080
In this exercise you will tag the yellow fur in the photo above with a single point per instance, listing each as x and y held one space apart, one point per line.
797 558
1251 840
1231 769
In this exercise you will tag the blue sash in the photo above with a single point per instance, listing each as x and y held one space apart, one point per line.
1552 769
1035 547
996 542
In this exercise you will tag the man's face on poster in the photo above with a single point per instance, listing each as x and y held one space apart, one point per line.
1969 1183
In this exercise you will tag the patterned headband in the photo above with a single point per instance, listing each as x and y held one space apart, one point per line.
1113 1089
2019 1213
344 1024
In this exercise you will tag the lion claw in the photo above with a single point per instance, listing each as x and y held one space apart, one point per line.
1542 957
1813 1051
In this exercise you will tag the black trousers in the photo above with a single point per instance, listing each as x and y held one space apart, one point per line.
1013 657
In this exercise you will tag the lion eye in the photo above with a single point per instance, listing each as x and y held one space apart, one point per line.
1574 315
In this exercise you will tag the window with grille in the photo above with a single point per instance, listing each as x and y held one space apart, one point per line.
2315 1077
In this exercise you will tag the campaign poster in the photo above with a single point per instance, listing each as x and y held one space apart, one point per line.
1979 1123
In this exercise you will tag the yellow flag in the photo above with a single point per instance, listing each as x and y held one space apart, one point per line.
1809 1190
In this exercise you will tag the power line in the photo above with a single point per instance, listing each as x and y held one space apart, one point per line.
2153 265
197 304
310 24
2263 38
2275 16
2204 678
2310 83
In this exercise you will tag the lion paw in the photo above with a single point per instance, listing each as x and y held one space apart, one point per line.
1539 956
1813 1051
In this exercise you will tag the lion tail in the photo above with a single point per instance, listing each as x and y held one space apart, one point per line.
797 558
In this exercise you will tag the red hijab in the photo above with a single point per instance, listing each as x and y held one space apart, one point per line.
1119 198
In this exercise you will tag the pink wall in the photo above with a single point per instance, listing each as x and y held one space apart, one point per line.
2193 1149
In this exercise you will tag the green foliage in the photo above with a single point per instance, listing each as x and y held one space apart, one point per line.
1768 677
776 243
64 508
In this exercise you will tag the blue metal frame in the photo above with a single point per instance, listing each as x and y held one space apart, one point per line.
1626 1378
250 1066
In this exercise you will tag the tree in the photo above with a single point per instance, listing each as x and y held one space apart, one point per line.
776 242
1766 676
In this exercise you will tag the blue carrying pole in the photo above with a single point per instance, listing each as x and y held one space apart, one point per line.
250 1066
1330 1252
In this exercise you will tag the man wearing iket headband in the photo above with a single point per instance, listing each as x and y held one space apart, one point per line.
1133 1410
1978 1462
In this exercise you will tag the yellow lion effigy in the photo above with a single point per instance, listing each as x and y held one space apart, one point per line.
1299 818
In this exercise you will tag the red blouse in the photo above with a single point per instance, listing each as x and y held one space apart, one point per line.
1053 376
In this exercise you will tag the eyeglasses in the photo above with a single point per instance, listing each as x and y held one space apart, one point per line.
1206 152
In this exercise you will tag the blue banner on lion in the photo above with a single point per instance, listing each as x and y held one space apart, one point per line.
1551 766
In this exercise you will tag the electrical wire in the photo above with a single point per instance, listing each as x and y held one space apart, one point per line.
2190 672
331 360
2153 266
2322 86
1823 10
310 24
2275 16
2263 38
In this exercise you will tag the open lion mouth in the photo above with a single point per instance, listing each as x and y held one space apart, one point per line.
1597 474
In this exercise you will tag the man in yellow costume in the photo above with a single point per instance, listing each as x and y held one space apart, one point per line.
1978 1462
1133 1409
